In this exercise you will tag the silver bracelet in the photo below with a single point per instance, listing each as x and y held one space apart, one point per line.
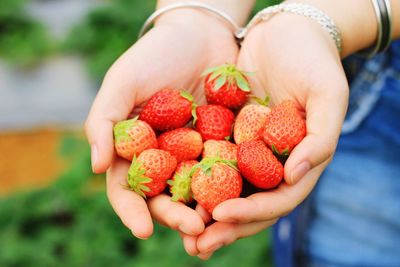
146 26
383 13
301 9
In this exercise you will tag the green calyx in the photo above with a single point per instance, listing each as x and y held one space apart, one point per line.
262 102
137 178
194 113
180 186
285 152
207 163
228 73
121 129
281 156
189 97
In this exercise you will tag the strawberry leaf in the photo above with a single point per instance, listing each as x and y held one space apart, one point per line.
215 74
122 128
284 152
137 178
220 82
210 70
241 82
187 95
144 188
230 163
180 186
175 198
194 113
262 102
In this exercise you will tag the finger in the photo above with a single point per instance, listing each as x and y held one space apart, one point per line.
190 244
325 113
222 234
113 103
268 205
189 241
129 206
175 215
205 256
246 63
203 214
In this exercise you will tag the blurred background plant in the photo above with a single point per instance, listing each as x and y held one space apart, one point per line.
53 210
108 31
23 41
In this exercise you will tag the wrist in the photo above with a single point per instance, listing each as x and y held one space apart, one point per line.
239 10
395 19
356 20
195 21
307 33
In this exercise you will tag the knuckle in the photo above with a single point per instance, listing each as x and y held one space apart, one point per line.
329 147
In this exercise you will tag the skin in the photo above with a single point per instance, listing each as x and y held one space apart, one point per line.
167 52
315 80
292 57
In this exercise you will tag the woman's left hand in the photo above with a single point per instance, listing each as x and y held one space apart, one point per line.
293 58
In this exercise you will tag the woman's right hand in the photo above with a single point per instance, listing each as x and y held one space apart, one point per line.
173 54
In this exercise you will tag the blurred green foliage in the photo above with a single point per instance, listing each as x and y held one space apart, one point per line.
72 224
23 41
107 32
110 30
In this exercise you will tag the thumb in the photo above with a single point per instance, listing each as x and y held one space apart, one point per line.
113 103
324 118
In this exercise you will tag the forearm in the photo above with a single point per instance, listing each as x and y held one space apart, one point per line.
356 20
239 10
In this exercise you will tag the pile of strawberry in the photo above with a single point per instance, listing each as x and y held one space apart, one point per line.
193 153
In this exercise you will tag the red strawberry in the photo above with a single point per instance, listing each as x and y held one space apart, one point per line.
179 186
149 172
249 123
183 143
168 109
214 122
284 128
258 164
220 148
227 86
214 181
133 136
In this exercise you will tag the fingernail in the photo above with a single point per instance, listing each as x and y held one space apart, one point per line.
183 228
217 216
214 248
299 171
143 238
94 156
204 256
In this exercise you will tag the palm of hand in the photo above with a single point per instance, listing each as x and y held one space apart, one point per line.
309 73
166 58
173 57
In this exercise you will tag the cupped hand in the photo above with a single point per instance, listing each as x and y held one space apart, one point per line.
173 54
294 58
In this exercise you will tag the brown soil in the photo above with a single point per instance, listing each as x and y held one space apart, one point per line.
29 159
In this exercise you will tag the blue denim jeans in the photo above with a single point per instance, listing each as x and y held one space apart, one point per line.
352 218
